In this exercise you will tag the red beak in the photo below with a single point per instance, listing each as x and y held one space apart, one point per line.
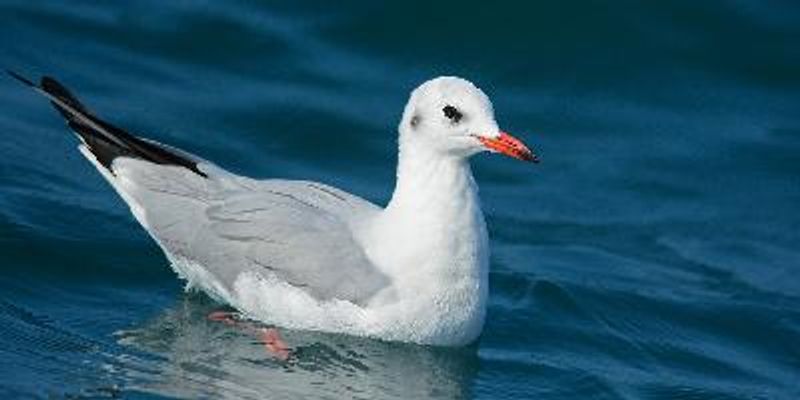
510 146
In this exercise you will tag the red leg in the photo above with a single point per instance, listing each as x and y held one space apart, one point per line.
269 337
274 344
226 317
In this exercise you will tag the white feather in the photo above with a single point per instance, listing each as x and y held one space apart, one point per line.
308 256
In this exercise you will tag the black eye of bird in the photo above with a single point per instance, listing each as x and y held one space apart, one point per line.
452 113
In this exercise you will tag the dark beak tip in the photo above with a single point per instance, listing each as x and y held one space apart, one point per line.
532 158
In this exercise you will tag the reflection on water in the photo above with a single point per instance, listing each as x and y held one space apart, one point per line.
653 254
189 356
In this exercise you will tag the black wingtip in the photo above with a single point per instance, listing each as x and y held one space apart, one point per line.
104 140
21 78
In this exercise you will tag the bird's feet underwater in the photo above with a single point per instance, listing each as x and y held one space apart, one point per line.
270 338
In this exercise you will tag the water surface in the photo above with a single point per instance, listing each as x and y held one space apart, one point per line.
653 254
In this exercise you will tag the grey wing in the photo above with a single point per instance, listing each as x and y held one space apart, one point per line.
301 243
299 231
227 225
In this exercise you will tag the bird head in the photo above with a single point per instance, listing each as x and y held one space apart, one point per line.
453 117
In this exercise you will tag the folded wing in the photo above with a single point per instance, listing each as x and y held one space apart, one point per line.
299 232
215 226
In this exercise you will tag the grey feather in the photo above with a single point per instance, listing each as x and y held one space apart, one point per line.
299 231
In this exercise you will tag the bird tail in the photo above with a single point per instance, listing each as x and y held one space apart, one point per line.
105 141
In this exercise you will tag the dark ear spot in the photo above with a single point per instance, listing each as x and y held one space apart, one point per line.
415 120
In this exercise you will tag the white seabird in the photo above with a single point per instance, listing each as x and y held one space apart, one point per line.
305 255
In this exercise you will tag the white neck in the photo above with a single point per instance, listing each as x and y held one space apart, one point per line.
432 229
431 241
428 182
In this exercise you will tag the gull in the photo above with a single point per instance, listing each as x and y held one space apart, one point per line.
305 255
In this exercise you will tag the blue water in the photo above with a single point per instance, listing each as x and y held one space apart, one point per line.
653 254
